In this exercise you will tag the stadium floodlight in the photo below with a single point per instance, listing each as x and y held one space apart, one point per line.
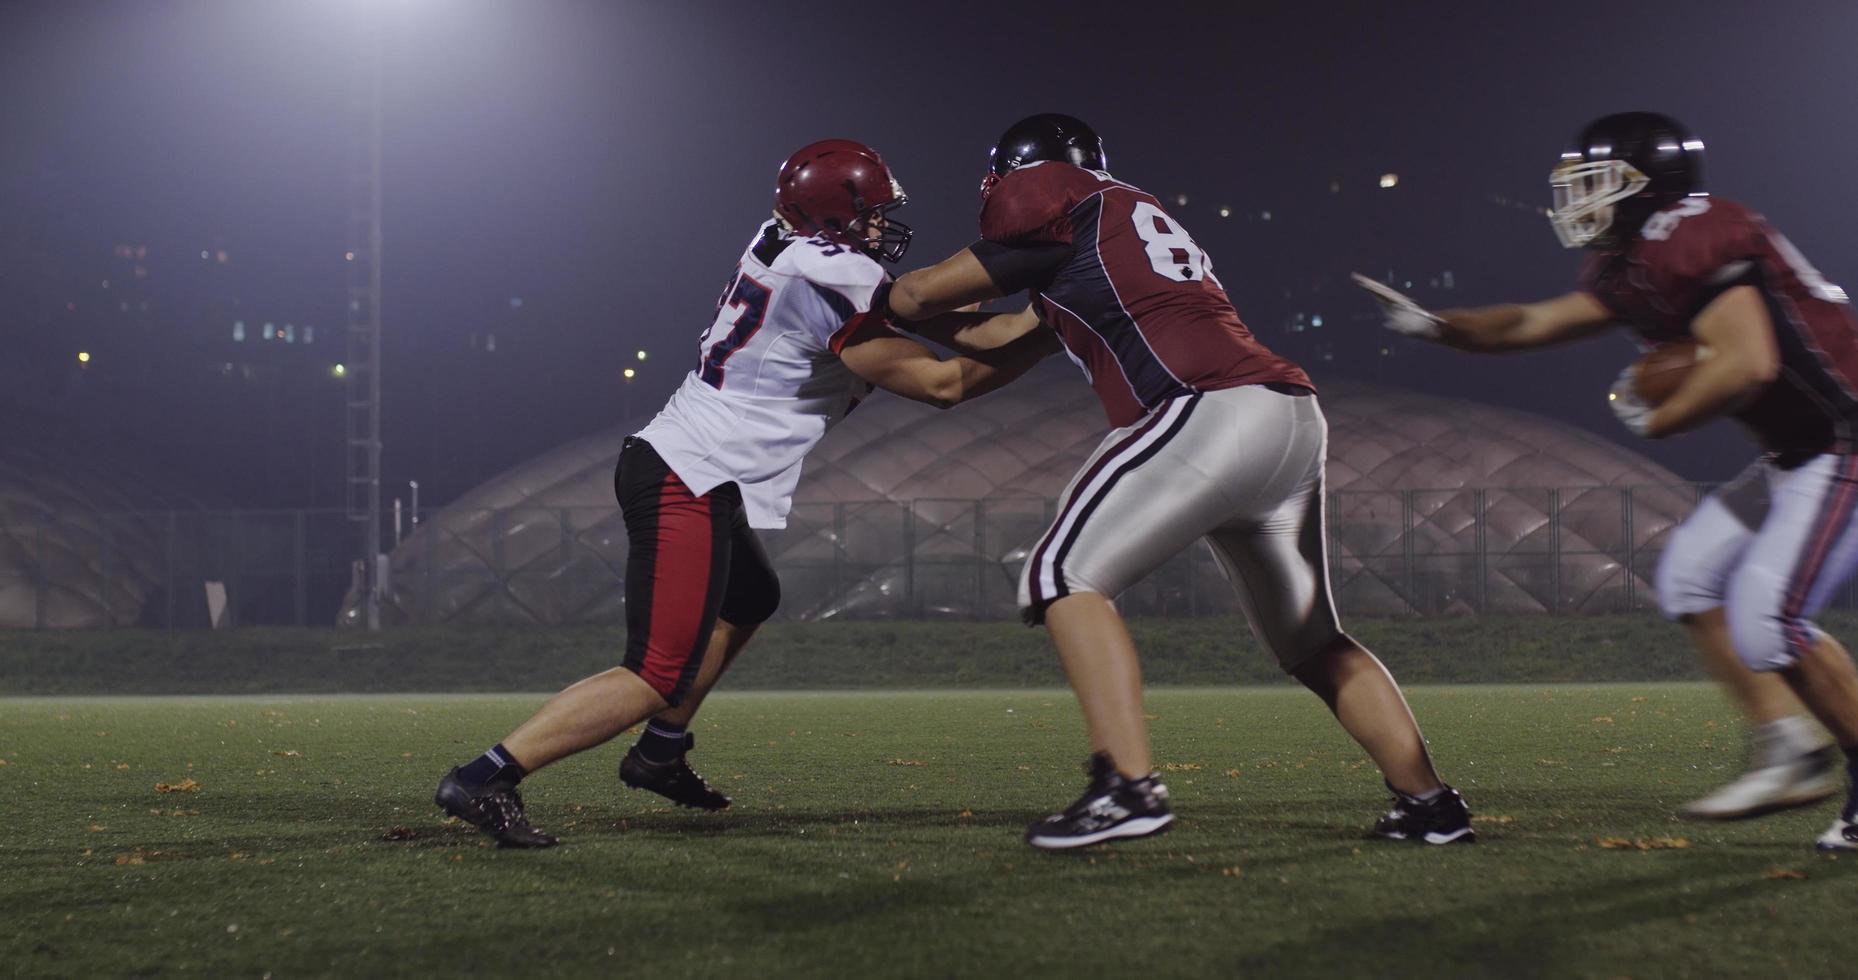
83 357
629 374
1390 180
641 355
338 371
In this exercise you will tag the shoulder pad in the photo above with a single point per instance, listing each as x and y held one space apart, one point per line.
1033 204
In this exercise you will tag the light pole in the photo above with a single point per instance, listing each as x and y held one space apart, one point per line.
363 371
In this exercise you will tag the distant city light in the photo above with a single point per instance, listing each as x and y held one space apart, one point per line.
1180 200
339 371
629 373
204 254
1225 212
1316 320
349 256
641 355
1264 216
270 330
238 330
1390 180
83 357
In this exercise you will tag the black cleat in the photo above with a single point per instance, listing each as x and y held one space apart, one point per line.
494 808
1445 819
1114 807
674 780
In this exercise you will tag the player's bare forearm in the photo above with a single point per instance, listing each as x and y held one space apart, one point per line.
973 332
987 370
949 285
1484 328
1511 326
1744 358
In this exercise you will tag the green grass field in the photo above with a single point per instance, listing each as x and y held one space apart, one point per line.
878 834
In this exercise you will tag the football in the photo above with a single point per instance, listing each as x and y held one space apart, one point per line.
1658 375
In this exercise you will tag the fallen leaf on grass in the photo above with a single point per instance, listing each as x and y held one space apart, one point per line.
965 814
1180 766
398 833
1639 700
289 754
1603 719
187 785
1643 843
1233 872
138 856
898 762
1775 874
1492 818
1232 774
97 828
120 766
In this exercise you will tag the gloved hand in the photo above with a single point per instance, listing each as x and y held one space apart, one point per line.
1625 401
1403 316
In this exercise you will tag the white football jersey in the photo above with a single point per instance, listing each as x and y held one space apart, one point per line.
769 382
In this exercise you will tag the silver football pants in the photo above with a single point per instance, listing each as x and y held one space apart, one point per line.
1242 468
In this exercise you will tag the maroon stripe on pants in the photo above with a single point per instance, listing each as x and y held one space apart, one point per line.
1834 516
1082 483
680 586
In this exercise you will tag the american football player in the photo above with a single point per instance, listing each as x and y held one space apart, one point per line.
1215 437
792 348
1747 571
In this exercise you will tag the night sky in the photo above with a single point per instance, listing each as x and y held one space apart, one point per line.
604 163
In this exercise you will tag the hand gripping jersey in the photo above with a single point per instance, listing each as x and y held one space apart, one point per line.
769 382
1698 248
1136 302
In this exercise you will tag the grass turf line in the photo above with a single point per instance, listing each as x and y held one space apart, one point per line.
819 656
879 834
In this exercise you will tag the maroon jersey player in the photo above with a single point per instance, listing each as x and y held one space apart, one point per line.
1746 572
1215 437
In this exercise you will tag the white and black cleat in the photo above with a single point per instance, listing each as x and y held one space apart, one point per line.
1842 837
1113 808
1444 819
1772 784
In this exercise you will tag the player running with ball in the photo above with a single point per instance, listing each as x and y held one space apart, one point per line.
1760 557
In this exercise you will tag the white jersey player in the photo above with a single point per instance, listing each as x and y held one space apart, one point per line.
793 347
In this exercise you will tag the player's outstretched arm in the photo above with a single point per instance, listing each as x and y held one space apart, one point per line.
971 333
949 285
1505 327
907 368
1744 358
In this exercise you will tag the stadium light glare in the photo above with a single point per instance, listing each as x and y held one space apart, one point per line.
641 355
1390 180
629 374
83 357
339 371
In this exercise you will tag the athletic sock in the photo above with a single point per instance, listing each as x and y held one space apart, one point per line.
1420 798
1793 734
662 742
494 766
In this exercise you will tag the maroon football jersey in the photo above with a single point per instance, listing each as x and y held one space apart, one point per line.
1698 248
1136 304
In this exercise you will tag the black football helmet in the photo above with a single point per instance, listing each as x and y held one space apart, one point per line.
1046 136
1621 170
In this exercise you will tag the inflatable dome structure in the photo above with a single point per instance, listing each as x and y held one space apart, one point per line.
1436 507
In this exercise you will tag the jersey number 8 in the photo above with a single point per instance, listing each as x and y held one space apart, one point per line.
1171 250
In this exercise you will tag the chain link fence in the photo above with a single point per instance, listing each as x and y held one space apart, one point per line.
1559 551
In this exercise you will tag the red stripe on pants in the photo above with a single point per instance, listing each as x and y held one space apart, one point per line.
680 585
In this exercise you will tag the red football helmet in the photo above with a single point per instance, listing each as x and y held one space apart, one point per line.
836 189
